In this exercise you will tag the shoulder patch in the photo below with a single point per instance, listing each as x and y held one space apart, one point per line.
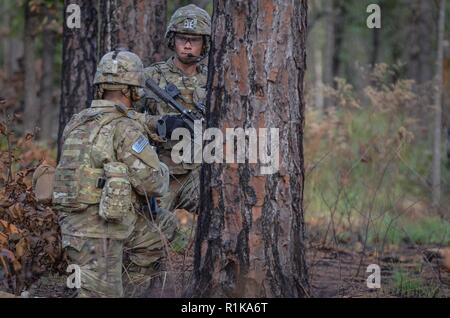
140 144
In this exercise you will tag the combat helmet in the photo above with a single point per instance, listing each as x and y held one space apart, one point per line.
189 19
120 67
118 70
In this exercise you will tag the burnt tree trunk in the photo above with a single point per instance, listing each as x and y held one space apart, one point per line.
137 25
250 237
79 63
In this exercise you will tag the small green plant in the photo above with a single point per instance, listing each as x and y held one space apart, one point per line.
425 231
368 155
408 285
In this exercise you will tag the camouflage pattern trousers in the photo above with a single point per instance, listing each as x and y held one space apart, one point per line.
184 192
107 264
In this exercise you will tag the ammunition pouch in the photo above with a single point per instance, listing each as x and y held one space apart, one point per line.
115 200
76 188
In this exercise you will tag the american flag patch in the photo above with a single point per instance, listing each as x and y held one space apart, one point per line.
140 144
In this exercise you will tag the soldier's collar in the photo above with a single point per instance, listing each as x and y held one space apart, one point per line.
102 103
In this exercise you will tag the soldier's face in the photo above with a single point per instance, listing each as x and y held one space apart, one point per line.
188 47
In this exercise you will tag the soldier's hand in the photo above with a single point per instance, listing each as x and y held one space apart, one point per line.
168 123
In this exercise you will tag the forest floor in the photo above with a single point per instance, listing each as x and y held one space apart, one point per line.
408 271
337 265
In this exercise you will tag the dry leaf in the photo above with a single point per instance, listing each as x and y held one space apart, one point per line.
21 248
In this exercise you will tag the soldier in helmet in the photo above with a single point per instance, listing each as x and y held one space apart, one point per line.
188 35
107 172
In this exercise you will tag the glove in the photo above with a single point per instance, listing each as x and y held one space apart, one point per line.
168 123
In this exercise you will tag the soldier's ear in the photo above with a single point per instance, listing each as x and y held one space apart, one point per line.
127 92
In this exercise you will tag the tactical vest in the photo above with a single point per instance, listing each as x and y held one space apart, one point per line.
191 90
77 183
189 87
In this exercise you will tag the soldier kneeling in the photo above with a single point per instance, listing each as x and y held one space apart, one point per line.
107 173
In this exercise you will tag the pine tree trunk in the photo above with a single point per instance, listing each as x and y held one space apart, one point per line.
318 70
340 12
436 174
6 21
31 111
374 54
334 29
330 42
421 55
316 48
48 54
250 236
12 43
427 53
137 25
79 64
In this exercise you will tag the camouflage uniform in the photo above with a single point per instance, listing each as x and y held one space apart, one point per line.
106 171
184 185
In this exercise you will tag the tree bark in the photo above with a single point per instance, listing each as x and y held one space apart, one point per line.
316 12
334 29
376 34
426 27
318 70
13 44
330 42
340 12
250 236
79 64
48 54
6 21
31 111
421 55
436 174
137 25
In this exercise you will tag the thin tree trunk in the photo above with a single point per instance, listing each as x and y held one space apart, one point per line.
318 70
330 42
339 29
250 237
31 112
48 54
6 21
79 64
421 55
376 33
426 27
137 25
436 194
317 10
12 43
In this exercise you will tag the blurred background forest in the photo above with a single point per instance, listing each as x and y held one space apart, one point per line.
370 135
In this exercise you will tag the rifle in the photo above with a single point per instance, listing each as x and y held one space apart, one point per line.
174 92
187 115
